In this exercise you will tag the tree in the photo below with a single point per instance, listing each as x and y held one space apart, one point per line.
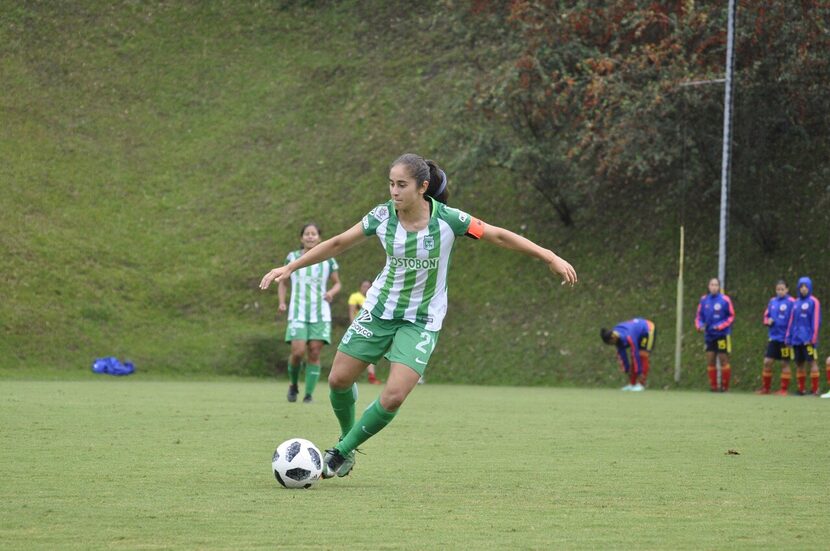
577 99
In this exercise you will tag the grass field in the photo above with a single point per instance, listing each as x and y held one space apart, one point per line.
130 464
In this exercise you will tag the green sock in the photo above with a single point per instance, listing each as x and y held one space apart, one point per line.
342 402
293 373
371 423
312 375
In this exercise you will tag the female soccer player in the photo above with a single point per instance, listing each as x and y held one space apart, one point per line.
715 315
776 318
356 301
802 335
638 336
309 314
406 305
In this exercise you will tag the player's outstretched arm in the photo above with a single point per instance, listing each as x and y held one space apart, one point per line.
509 240
325 250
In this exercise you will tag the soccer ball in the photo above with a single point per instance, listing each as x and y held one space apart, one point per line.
297 463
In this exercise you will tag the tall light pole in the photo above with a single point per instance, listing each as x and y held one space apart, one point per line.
726 156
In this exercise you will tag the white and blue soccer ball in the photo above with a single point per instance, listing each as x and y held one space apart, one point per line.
297 463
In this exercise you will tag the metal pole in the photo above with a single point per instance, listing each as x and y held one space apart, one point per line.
727 142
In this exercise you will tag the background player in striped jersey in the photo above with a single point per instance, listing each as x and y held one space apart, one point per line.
309 313
776 318
715 315
637 336
802 335
405 307
356 301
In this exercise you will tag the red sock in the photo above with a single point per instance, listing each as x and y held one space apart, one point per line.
766 379
725 375
632 376
814 381
801 377
644 362
785 381
827 368
713 376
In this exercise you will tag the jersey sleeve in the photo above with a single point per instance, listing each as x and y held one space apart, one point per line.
622 355
375 218
288 259
464 224
333 264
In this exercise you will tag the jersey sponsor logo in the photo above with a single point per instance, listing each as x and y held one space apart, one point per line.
413 263
364 316
429 243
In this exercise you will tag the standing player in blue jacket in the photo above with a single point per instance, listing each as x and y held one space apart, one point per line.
777 318
637 336
802 335
715 315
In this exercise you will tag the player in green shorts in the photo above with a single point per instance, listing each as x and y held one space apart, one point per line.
406 304
309 313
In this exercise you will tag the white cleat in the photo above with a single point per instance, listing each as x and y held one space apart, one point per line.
637 388
626 388
826 395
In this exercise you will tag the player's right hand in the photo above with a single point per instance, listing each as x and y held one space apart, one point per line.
564 269
277 274
282 307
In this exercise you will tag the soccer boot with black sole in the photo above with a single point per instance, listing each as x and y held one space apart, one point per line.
307 399
292 393
334 463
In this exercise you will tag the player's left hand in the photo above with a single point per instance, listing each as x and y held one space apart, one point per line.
564 269
328 297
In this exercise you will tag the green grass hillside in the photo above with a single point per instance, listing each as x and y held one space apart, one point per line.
156 160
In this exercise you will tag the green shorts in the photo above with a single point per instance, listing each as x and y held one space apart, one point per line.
308 331
368 338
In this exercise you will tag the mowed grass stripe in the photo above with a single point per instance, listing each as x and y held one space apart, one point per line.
111 464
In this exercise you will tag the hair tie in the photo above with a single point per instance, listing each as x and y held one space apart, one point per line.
443 185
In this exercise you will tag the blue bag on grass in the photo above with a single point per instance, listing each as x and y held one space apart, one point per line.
111 366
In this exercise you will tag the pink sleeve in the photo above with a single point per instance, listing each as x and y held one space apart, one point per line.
728 321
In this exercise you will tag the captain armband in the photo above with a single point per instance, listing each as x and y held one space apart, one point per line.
476 229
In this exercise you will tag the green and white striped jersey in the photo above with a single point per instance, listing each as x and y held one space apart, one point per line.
308 285
413 284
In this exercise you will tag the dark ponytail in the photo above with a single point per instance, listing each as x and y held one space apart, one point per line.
437 188
424 170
